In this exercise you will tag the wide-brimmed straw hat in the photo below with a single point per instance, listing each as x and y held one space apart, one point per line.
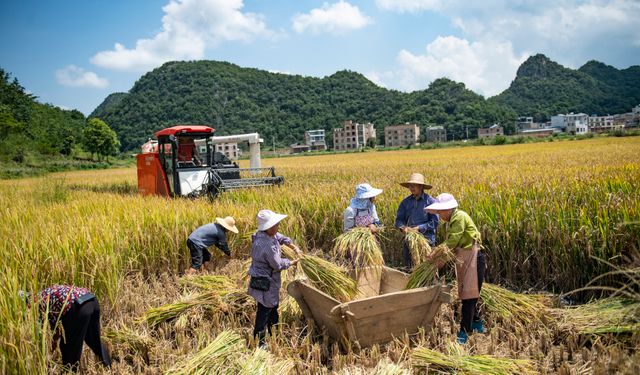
366 191
417 179
267 219
444 201
228 223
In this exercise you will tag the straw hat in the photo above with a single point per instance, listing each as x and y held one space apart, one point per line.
366 191
267 219
416 178
228 223
444 201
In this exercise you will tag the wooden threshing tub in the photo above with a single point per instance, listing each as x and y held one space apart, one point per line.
381 311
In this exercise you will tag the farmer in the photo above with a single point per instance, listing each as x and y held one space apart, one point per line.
266 264
75 312
362 209
411 214
463 237
209 234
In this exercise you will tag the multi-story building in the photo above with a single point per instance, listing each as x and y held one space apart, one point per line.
401 135
526 123
601 124
315 139
352 136
575 123
436 134
491 131
230 149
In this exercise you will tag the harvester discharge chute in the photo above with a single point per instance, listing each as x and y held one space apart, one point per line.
184 162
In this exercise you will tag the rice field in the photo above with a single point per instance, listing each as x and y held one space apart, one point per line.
546 211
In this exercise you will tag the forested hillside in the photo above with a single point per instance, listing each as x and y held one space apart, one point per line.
543 88
236 100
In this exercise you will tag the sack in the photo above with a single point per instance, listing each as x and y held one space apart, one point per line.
259 283
84 298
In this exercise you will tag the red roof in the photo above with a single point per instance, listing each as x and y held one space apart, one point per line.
181 129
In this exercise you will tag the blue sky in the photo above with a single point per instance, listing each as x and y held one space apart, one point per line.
74 53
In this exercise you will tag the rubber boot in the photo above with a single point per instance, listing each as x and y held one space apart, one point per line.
462 337
478 326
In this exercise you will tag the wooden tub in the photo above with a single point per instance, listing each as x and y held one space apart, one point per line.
381 311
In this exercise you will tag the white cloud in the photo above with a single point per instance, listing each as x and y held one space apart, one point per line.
188 28
337 18
485 67
75 76
411 6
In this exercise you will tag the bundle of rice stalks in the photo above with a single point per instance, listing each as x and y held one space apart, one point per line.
425 273
326 276
213 283
217 358
384 367
457 361
360 246
524 309
208 301
262 362
610 315
134 342
418 246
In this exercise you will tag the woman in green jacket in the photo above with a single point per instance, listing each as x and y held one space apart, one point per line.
464 238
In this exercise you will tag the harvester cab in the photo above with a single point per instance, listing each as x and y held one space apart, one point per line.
183 162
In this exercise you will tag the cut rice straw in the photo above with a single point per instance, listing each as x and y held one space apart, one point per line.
419 247
213 283
610 315
215 358
457 361
326 276
263 363
360 246
157 315
425 273
524 309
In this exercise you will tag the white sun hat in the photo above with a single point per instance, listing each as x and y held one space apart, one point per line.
267 219
366 191
444 201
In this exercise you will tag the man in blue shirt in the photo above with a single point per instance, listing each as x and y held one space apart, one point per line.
207 235
411 213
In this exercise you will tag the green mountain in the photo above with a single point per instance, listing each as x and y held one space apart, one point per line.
238 100
31 130
543 88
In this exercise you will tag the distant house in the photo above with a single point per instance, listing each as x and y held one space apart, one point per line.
574 123
297 148
601 124
315 139
540 133
527 123
436 134
491 131
352 136
230 149
401 135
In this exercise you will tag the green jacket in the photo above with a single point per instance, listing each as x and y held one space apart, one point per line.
461 231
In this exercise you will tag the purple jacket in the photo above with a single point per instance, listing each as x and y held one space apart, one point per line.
267 261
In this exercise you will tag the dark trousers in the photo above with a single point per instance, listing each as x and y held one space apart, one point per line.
199 255
470 312
406 254
266 317
82 324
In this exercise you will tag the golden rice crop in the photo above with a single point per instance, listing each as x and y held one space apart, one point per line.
212 283
215 358
360 246
208 301
611 315
418 246
458 362
424 274
523 308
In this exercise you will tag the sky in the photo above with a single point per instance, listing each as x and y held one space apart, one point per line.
74 53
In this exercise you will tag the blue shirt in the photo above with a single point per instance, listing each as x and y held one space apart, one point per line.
210 234
411 214
267 261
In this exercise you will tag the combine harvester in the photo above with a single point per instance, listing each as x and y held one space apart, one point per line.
183 162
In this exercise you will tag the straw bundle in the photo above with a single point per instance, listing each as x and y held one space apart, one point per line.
522 308
611 315
359 245
157 315
262 362
418 246
213 283
326 276
134 342
216 358
424 274
457 361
